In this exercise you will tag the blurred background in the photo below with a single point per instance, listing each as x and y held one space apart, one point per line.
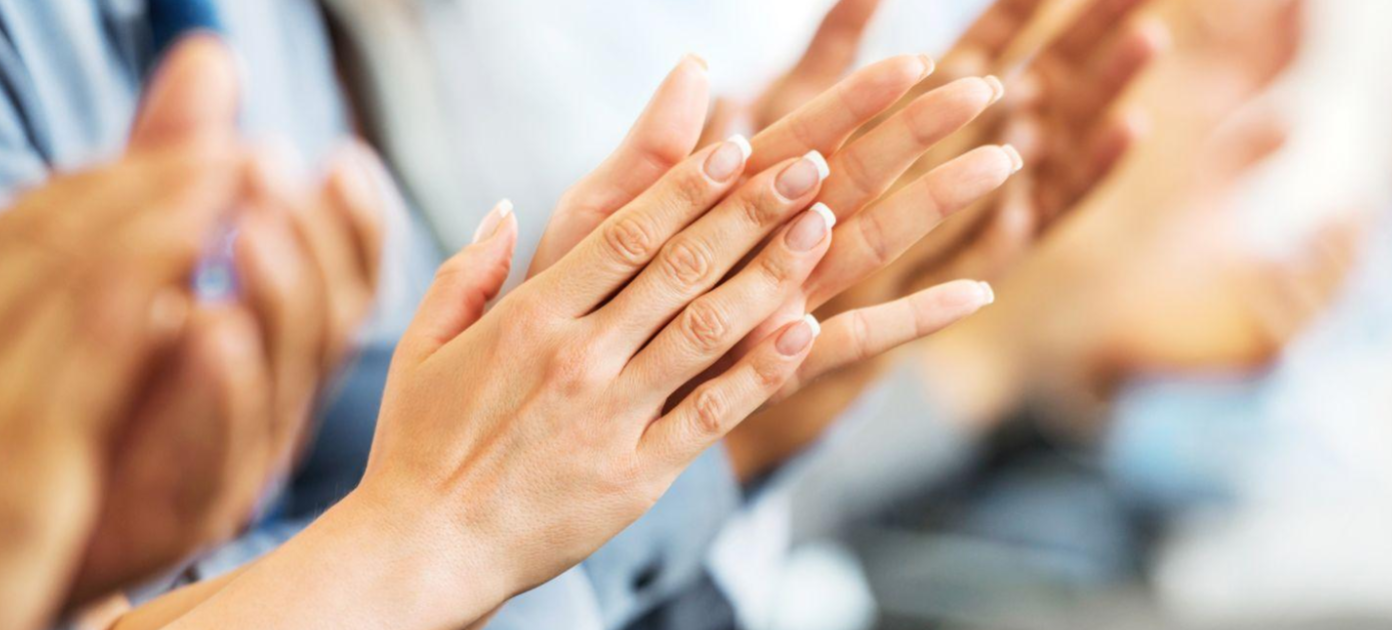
1230 466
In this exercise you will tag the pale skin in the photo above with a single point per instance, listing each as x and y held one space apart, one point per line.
610 346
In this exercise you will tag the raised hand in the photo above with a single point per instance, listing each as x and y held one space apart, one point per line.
226 406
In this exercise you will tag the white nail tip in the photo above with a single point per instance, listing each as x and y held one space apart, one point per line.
813 324
815 157
1016 162
826 214
997 88
988 294
743 143
504 208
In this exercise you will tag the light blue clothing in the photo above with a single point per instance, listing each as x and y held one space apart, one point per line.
72 72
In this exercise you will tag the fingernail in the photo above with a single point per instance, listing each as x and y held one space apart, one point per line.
491 222
802 176
1016 162
928 66
997 88
809 229
729 159
797 338
988 295
698 60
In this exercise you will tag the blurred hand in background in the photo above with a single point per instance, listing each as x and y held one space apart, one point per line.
93 290
1062 113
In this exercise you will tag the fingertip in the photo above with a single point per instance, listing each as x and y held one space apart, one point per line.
797 338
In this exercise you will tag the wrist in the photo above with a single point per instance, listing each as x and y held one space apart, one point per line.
426 555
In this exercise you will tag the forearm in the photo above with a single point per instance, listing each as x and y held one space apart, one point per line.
359 566
171 606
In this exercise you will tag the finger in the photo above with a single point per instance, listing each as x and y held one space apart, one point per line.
630 239
194 93
862 334
993 33
71 212
865 169
713 324
695 260
1100 18
871 240
1106 76
720 124
1241 143
716 407
827 121
229 358
337 228
287 296
361 190
172 228
837 42
664 135
463 287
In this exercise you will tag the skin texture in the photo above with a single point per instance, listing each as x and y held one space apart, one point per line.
93 289
225 407
628 352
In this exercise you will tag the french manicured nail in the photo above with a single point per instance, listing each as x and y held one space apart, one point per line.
799 336
491 222
988 295
928 66
1016 162
997 88
811 228
802 176
698 60
728 160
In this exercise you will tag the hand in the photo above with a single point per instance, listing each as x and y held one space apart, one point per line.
876 228
228 404
92 288
511 445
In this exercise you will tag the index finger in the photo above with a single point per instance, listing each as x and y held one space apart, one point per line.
825 123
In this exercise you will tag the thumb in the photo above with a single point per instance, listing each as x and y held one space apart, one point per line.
463 286
194 94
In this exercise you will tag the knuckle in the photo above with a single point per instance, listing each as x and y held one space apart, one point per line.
777 270
629 241
687 262
575 368
769 374
691 188
709 411
760 212
876 240
705 326
860 336
852 164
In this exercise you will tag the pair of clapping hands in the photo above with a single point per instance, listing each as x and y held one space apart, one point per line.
142 422
668 300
